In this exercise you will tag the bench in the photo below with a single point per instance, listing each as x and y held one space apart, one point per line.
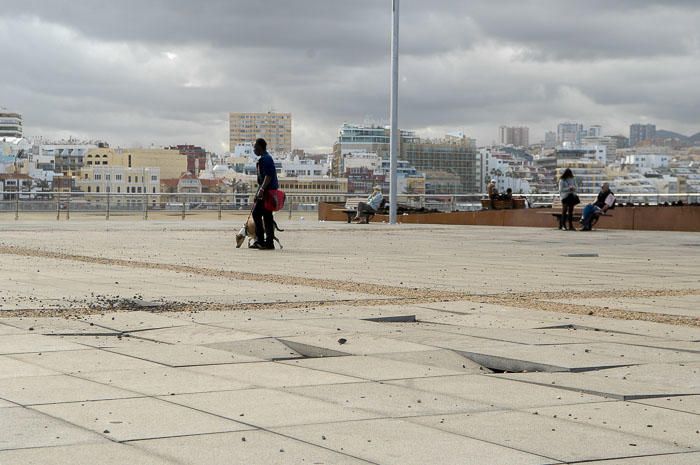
350 208
578 210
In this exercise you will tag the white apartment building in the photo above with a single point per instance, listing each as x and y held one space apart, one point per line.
642 162
10 125
119 180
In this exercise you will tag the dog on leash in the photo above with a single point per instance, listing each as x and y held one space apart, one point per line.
248 230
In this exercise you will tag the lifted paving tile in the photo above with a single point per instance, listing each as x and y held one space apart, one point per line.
690 404
22 428
249 447
144 418
267 408
691 458
551 437
396 442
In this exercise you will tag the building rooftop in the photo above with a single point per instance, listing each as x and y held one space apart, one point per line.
158 342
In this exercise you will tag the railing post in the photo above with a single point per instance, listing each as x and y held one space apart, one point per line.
17 202
145 208
107 212
68 207
221 206
290 208
58 207
183 208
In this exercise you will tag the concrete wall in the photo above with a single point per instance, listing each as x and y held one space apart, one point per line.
634 218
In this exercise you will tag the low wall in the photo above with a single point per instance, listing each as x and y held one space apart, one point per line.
643 218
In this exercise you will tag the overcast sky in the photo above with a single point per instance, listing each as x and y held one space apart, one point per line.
169 71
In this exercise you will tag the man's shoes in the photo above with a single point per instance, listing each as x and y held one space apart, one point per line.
267 247
257 245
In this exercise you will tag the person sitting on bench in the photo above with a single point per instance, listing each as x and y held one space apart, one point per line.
492 192
365 209
591 212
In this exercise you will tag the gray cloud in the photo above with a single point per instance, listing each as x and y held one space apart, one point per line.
169 71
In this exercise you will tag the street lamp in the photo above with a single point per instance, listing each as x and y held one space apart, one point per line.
395 137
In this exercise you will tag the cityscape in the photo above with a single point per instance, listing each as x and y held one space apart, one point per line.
646 161
378 232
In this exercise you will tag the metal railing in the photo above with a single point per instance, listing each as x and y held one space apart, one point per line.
183 205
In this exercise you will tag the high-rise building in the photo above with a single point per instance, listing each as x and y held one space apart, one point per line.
451 165
516 136
569 132
640 133
550 139
275 128
10 124
594 131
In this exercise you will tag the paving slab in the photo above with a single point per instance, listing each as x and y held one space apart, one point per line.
390 400
397 442
270 349
83 362
372 368
665 305
28 343
558 438
274 327
266 408
143 418
105 453
132 321
655 423
6 329
691 458
518 336
496 392
162 381
31 390
12 368
596 384
273 374
249 447
46 325
440 358
683 376
590 335
21 428
640 328
196 334
180 355
357 343
690 404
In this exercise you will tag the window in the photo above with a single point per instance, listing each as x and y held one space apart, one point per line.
104 162
129 179
108 177
89 189
118 177
139 190
154 190
129 161
154 178
97 189
119 190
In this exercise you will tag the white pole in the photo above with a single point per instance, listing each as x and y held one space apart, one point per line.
395 137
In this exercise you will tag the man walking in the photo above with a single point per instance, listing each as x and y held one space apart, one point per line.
267 181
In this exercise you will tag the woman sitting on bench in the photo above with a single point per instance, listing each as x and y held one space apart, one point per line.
366 209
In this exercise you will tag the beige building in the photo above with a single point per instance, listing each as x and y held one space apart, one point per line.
171 163
275 128
119 180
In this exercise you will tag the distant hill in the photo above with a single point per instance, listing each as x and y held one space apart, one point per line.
695 138
663 134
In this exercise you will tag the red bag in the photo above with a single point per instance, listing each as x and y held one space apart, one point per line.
274 200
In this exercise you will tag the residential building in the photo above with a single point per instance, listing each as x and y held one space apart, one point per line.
594 131
610 144
101 179
10 125
569 132
196 157
642 134
275 128
61 157
11 183
621 142
516 136
170 162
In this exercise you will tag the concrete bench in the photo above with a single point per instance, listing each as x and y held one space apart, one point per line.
578 210
350 208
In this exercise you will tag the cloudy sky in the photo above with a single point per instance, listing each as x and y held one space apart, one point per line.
168 71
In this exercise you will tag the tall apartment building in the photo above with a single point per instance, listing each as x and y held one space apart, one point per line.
550 139
640 133
275 128
451 165
516 136
569 132
10 124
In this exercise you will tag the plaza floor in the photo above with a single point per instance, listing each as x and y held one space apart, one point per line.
159 342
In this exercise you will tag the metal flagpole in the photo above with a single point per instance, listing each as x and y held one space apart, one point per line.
395 137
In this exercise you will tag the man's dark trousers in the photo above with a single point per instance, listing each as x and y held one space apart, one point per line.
260 215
